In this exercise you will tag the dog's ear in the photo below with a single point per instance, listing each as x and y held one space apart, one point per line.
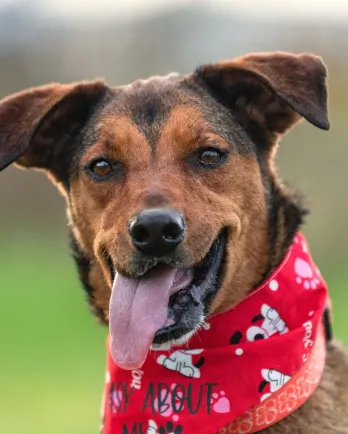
236 338
270 90
257 318
37 126
262 385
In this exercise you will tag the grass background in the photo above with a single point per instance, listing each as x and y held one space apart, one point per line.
52 349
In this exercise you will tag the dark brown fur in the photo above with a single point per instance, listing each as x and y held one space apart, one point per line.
152 128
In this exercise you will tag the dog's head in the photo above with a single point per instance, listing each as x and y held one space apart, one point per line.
174 205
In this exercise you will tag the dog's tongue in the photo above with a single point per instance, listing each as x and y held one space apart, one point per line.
138 308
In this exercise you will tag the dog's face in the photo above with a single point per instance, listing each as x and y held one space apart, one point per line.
173 202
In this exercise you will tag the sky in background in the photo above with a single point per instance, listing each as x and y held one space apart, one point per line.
336 10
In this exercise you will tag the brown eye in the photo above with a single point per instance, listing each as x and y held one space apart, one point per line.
101 169
210 157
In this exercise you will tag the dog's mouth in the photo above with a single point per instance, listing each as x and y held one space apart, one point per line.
166 304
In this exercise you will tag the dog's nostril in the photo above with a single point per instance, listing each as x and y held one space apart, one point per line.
172 231
140 234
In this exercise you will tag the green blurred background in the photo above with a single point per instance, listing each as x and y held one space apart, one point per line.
52 350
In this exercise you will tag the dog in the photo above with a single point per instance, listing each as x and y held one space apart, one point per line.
158 175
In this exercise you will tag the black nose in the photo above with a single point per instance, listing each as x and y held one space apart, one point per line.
157 231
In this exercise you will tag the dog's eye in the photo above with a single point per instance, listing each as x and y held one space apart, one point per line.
255 333
101 168
210 157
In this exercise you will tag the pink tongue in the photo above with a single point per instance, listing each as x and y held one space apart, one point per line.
138 308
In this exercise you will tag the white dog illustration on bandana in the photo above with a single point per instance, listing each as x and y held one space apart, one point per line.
271 323
152 429
274 379
265 325
181 362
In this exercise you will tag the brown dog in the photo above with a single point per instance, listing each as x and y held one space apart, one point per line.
189 157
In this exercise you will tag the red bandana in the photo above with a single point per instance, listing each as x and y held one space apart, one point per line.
248 367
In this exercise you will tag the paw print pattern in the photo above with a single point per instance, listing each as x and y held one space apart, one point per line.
220 403
305 275
170 429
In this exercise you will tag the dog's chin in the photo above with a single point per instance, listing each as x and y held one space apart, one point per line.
189 307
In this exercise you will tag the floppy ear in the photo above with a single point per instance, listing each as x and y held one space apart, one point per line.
270 90
37 126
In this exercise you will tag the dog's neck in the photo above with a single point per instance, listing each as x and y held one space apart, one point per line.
285 217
